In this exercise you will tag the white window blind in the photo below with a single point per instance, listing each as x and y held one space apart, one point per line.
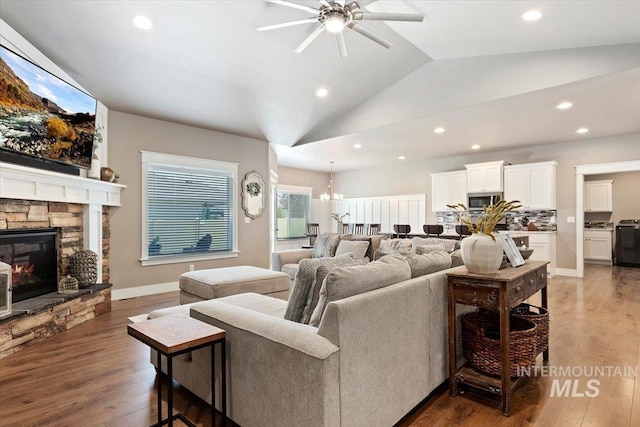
190 209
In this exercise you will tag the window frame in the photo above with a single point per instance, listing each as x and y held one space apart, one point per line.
294 189
150 158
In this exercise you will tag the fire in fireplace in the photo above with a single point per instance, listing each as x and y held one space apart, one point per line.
33 257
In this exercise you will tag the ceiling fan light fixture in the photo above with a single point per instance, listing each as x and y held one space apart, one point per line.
335 23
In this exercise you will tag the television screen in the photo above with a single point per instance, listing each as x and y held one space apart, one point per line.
42 116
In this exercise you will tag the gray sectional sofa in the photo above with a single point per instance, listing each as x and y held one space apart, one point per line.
380 348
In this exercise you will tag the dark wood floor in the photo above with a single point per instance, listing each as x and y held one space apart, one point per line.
96 375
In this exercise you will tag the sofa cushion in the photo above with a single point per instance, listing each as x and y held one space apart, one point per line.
449 244
428 263
348 281
425 249
357 247
325 245
256 302
304 280
456 258
314 293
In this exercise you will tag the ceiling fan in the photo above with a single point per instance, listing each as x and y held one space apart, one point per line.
334 16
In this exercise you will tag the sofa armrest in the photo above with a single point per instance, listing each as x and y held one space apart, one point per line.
294 256
279 372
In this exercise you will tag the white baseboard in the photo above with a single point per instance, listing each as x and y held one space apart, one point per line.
571 272
140 291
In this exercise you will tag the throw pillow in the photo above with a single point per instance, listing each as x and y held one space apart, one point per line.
344 282
325 245
357 247
314 294
425 249
428 263
449 244
456 258
304 279
390 246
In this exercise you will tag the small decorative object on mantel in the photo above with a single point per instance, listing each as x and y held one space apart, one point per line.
481 252
253 194
68 285
107 174
83 265
94 172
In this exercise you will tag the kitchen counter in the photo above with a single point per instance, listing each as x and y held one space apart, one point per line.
525 232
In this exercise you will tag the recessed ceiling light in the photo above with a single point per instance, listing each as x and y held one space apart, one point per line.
532 15
357 145
582 130
142 22
475 147
565 105
322 92
439 130
401 157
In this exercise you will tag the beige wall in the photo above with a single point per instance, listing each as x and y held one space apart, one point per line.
403 177
128 135
304 178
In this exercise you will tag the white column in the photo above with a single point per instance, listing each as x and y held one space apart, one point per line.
92 226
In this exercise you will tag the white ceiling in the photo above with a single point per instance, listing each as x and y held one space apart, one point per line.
495 79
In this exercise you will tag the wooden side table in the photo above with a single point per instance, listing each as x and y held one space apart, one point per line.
174 335
501 291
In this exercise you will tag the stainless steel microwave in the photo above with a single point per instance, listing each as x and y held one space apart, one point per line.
475 202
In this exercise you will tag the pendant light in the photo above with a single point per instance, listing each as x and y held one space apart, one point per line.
330 192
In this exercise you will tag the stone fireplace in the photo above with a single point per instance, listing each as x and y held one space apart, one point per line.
40 212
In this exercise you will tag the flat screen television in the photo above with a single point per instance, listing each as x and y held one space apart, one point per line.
44 121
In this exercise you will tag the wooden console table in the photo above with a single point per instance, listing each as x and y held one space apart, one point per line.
174 335
501 292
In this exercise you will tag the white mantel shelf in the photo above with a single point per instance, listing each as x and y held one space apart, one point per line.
19 182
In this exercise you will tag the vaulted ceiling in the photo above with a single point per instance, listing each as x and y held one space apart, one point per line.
474 68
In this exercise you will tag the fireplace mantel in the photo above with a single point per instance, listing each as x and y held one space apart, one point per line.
20 182
24 183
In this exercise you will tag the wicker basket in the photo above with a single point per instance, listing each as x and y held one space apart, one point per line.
539 316
83 265
481 342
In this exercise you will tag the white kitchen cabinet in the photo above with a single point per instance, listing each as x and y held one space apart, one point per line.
448 188
597 245
543 245
533 184
485 177
598 196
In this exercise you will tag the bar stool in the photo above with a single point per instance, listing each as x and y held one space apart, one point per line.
433 229
312 232
402 229
462 230
373 229
345 228
358 228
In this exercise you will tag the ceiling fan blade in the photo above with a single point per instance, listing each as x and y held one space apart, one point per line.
324 3
288 24
369 16
370 35
342 46
309 39
294 5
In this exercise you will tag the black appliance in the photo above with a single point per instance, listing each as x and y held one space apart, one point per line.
477 201
628 243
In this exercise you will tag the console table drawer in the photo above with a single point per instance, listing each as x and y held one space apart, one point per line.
470 293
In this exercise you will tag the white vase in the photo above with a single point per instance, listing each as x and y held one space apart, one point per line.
481 254
94 172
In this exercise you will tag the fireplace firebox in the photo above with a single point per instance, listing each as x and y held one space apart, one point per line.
33 257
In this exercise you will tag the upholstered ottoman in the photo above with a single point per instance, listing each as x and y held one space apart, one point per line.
201 285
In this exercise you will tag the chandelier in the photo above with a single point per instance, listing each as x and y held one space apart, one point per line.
330 193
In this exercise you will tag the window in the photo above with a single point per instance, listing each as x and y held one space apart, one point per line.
188 209
292 211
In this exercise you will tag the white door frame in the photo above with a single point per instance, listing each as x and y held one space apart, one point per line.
581 172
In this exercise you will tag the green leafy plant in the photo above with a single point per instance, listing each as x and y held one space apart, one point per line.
491 215
339 217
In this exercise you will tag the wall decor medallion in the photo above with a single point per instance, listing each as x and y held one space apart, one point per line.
253 194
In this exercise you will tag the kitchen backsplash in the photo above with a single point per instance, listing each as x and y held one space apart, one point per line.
543 220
